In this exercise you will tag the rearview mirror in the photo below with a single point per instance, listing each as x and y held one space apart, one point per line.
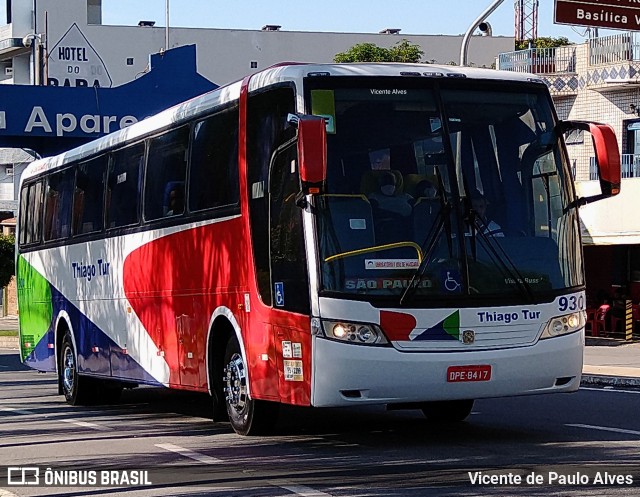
312 152
607 154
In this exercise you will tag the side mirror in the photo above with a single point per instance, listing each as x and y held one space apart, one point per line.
312 152
607 154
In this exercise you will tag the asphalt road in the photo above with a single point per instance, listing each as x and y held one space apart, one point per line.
564 444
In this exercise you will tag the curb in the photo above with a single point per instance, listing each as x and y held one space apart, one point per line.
10 343
609 381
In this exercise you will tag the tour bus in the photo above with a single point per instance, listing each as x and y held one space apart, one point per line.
316 235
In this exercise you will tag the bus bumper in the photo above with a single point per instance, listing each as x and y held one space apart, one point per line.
345 374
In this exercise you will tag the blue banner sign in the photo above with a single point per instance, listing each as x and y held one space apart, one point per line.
51 119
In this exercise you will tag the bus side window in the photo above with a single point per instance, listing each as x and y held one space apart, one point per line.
58 204
123 186
88 199
31 214
24 213
165 174
213 180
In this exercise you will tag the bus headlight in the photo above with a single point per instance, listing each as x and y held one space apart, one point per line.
563 325
359 333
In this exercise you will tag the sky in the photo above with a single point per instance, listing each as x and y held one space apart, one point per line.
366 16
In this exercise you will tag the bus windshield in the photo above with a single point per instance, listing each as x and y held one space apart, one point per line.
443 188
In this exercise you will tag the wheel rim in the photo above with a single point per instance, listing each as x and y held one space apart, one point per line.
68 370
235 383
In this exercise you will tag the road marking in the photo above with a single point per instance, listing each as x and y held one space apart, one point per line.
86 424
610 389
605 428
15 410
301 490
203 458
83 424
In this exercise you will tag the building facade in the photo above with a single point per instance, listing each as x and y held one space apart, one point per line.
599 80
75 48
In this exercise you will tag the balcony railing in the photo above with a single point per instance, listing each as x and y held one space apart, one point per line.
615 48
623 47
540 60
630 166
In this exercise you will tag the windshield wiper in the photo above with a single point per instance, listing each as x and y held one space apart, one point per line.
443 223
432 239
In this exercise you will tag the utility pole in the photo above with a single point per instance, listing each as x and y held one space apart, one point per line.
166 29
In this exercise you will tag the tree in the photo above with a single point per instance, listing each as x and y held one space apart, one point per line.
543 42
7 262
402 51
363 52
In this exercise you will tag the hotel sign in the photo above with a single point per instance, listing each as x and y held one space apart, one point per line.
612 14
74 62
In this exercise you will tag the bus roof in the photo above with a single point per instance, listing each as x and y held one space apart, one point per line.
297 71
287 71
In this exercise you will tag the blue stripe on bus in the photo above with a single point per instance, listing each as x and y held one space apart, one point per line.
108 361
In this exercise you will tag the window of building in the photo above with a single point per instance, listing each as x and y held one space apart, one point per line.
574 137
5 12
94 11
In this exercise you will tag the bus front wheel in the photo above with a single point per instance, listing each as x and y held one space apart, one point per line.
76 389
247 416
447 411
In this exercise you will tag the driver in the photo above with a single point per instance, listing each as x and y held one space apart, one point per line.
479 205
389 199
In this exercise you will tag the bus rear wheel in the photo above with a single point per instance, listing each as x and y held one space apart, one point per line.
77 389
247 416
447 411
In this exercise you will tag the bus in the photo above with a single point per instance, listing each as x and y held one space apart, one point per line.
313 235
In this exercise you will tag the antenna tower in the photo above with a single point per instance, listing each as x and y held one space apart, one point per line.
526 20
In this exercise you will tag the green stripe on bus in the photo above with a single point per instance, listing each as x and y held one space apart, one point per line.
36 306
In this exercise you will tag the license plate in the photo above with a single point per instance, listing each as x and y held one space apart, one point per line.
469 373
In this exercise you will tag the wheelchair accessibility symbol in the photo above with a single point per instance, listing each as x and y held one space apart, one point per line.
450 281
279 291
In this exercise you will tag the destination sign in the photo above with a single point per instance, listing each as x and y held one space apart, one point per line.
612 14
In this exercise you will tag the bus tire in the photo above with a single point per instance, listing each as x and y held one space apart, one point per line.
77 389
447 411
247 416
